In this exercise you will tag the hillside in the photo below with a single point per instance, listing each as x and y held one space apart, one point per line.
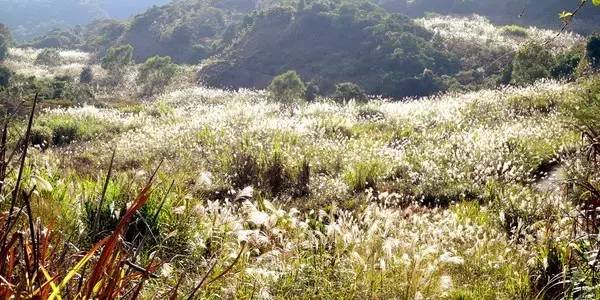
241 44
528 12
386 54
332 46
28 19
186 30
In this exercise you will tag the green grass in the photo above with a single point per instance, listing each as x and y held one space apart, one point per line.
432 198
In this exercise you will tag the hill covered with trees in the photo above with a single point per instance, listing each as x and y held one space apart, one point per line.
245 44
30 18
528 12
385 53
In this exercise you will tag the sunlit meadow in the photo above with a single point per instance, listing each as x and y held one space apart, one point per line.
453 196
400 198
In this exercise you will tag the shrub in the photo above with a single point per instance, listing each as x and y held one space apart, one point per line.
117 58
347 91
287 88
156 73
41 136
566 64
587 117
370 114
60 85
531 63
86 75
5 75
64 133
312 91
514 30
275 175
593 51
363 175
49 57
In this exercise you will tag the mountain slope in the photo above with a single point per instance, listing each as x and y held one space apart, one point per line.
528 12
30 18
186 30
386 54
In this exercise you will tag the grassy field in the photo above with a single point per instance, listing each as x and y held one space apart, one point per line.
457 196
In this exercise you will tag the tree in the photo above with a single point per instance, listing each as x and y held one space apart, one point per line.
347 91
531 63
48 57
86 75
117 58
593 51
156 73
287 88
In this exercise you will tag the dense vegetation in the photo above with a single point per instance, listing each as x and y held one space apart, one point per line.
123 177
524 12
385 54
30 18
245 44
185 30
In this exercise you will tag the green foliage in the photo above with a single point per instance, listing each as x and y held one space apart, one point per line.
364 175
515 30
5 75
312 91
41 136
586 116
382 52
529 12
532 62
117 58
347 91
593 51
287 88
58 38
566 63
49 57
155 74
86 75
63 130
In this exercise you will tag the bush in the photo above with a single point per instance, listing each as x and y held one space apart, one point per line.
312 91
566 64
5 75
531 63
593 51
117 58
349 91
64 133
514 30
48 57
287 88
156 73
86 75
363 176
41 136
